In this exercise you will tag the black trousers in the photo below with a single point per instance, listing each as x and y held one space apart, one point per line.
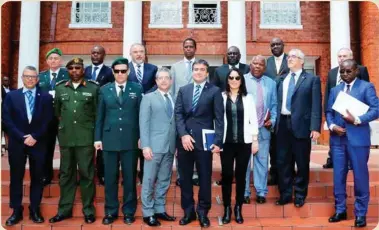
290 148
141 165
50 148
240 153
203 161
99 164
17 160
273 168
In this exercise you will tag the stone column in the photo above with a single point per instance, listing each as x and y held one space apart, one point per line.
132 25
339 29
237 26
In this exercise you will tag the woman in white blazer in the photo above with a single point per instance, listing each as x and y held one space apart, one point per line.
240 141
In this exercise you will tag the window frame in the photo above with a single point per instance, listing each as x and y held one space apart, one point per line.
74 25
167 26
297 26
192 24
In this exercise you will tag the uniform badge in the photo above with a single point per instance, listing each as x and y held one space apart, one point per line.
132 95
87 94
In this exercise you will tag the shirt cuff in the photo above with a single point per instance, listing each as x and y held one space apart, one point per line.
97 142
357 121
331 127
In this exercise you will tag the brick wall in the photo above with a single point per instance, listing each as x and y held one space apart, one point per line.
6 29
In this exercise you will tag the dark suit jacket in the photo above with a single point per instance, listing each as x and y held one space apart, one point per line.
357 135
16 120
105 75
305 105
271 68
219 78
209 114
332 81
148 78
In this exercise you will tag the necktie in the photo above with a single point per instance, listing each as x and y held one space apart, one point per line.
139 74
29 95
168 105
53 81
189 69
291 89
195 98
93 77
121 93
348 89
260 104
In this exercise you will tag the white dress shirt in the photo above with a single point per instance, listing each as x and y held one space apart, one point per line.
28 112
186 61
98 70
201 87
286 82
51 73
135 65
278 62
236 66
169 96
338 79
118 87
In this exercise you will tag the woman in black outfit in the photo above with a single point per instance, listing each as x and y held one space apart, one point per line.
240 141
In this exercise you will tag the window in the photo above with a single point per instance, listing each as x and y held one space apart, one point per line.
166 15
204 15
90 15
280 15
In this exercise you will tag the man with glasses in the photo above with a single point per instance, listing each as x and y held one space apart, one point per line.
26 115
117 134
75 106
47 82
298 122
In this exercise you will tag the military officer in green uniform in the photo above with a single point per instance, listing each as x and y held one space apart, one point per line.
47 82
75 106
117 134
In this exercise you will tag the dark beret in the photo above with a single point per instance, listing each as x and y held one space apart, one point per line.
75 61
119 61
54 51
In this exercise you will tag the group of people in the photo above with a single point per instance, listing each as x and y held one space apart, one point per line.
135 111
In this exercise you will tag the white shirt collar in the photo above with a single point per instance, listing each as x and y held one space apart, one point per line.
186 60
135 65
123 84
280 57
297 73
236 66
201 84
100 66
57 71
351 83
24 89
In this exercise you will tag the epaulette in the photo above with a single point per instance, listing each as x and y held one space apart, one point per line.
42 72
61 81
94 82
108 83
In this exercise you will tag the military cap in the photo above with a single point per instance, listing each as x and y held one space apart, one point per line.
54 51
75 61
119 61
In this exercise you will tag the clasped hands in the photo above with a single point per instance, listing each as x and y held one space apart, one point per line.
187 142
29 140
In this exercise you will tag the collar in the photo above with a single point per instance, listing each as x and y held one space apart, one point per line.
100 66
201 84
186 60
351 83
57 71
257 79
135 65
236 66
280 57
297 72
123 84
69 83
163 93
26 89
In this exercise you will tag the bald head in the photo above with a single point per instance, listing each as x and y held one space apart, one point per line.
257 66
233 55
97 55
277 46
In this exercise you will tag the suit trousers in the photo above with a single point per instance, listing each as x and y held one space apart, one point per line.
17 160
141 165
290 148
272 150
203 162
72 158
358 158
157 174
128 160
50 143
99 164
240 153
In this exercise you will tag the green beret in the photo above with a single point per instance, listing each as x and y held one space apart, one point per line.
75 61
119 61
54 51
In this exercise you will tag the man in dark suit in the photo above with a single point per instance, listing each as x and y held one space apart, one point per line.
102 74
47 82
276 66
26 115
299 106
117 134
220 75
5 89
199 105
144 74
350 141
335 79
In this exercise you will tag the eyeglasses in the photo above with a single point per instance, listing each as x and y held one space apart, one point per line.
345 71
74 67
120 70
234 78
164 78
30 76
292 57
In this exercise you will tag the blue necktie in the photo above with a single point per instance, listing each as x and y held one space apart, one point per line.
168 105
291 89
139 74
93 77
189 67
348 89
29 95
53 81
195 98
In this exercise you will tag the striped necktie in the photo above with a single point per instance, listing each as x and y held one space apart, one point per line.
139 74
29 95
291 89
93 77
53 81
189 70
195 98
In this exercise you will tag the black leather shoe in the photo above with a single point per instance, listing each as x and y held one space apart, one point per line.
151 221
188 218
272 181
227 215
165 216
108 219
328 164
283 201
261 199
46 181
246 200
360 222
89 219
337 217
177 182
129 219
299 202
35 216
238 214
14 218
101 180
204 221
58 218
195 181
219 182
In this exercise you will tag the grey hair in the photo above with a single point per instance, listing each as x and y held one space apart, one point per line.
137 44
299 53
163 70
259 57
346 49
30 67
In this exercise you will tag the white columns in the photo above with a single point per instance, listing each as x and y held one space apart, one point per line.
29 37
237 26
339 28
132 25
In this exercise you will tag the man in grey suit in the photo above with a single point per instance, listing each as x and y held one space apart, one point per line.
181 73
158 133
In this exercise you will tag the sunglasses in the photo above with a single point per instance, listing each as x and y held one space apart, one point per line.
74 67
234 78
346 71
120 70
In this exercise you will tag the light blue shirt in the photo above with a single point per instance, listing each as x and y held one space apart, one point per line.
201 87
28 112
